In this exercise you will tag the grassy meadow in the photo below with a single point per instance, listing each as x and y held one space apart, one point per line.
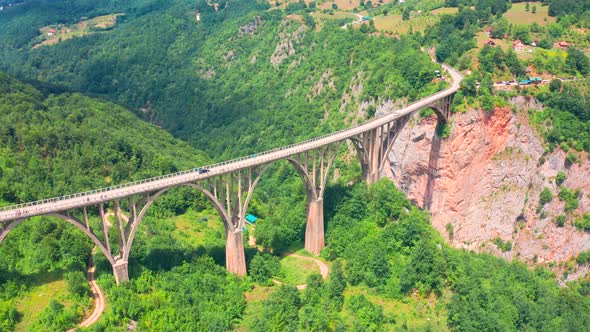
53 34
519 15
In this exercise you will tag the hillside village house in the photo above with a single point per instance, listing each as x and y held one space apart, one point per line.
518 46
490 42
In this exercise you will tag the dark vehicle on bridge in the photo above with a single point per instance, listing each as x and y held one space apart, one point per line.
202 170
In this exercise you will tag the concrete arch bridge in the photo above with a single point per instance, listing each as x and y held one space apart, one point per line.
229 186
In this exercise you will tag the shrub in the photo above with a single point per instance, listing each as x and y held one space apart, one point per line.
55 317
560 178
443 130
9 316
503 246
583 258
561 220
263 267
546 197
570 198
368 316
570 159
426 112
583 223
77 283
450 231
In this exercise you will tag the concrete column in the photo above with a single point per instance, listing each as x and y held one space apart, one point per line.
370 173
121 272
375 157
235 257
372 177
314 231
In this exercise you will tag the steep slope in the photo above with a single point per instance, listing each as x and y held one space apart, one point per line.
248 77
57 144
484 183
241 80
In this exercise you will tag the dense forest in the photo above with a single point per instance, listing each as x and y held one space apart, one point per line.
64 143
212 79
240 80
226 85
381 247
58 143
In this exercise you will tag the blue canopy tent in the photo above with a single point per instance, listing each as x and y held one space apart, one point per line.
251 219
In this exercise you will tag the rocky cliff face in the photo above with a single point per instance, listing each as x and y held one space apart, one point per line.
483 184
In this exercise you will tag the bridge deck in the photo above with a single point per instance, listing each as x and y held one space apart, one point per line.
98 196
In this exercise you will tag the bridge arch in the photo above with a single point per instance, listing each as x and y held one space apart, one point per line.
136 220
230 209
71 220
440 113
373 146
305 177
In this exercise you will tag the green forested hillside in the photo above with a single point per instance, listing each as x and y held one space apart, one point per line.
242 79
212 82
387 257
56 144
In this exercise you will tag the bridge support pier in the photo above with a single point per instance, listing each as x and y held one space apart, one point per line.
372 177
235 257
231 195
314 168
314 230
374 146
121 271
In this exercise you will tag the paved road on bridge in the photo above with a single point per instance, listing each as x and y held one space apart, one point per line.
98 196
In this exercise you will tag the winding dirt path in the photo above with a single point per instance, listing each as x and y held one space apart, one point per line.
97 295
323 269
99 300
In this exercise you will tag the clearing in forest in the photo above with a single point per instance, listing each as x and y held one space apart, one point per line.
52 286
295 270
341 4
414 312
195 229
519 15
417 22
336 15
53 34
349 4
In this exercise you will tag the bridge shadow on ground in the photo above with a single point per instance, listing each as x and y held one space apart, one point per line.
165 259
28 280
432 169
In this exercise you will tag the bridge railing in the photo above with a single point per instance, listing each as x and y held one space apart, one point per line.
209 167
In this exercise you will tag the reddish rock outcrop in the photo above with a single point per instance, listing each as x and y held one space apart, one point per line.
485 181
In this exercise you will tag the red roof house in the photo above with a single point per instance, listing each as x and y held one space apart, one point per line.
518 46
